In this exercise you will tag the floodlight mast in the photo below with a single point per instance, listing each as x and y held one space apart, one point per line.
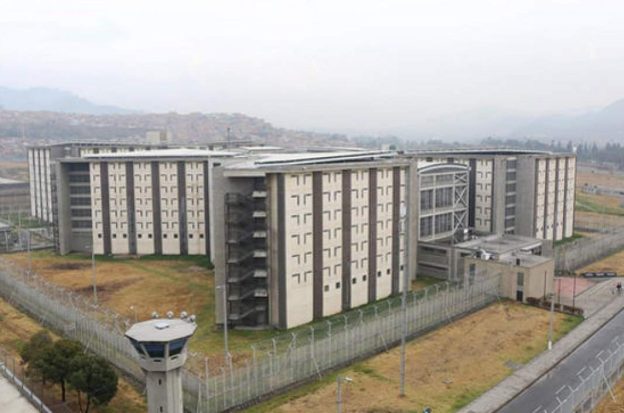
161 344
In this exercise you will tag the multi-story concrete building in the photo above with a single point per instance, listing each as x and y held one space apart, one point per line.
310 235
138 203
529 193
299 236
42 161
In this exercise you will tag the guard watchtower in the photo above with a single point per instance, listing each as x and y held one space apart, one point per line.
161 344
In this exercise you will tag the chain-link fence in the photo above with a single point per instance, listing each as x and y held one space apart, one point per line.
31 389
594 383
583 251
272 365
284 361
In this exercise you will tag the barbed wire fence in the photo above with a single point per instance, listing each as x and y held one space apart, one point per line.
289 359
594 383
31 389
269 366
583 251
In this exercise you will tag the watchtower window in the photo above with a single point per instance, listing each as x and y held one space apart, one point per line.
176 346
155 350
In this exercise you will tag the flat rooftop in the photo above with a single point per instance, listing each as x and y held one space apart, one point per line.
484 152
161 330
162 153
526 260
501 244
279 160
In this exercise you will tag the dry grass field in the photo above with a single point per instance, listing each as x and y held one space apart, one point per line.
596 220
613 262
155 284
144 285
446 369
608 405
599 177
594 203
16 329
14 170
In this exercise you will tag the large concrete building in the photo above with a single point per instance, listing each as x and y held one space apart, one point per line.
529 193
138 203
42 160
302 235
310 235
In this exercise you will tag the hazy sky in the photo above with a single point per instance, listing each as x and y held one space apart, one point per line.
330 65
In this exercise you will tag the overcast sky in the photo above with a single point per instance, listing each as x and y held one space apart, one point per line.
354 66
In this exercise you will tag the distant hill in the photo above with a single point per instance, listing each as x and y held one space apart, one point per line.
22 127
53 100
606 124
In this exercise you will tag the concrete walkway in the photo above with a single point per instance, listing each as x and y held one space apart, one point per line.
597 297
601 307
11 400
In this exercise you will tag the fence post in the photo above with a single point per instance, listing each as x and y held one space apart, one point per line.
329 339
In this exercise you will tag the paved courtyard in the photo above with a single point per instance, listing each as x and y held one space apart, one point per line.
11 400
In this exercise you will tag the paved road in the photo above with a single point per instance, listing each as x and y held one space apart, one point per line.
542 395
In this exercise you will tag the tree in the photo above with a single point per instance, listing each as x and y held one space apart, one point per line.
94 377
38 342
55 364
33 352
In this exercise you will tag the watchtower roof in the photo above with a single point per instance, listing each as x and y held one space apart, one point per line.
161 330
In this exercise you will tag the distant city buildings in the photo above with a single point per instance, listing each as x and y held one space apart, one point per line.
300 235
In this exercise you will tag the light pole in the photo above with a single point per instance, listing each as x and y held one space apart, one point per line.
339 381
551 320
228 358
406 277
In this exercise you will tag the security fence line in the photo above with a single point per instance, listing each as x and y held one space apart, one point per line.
273 365
596 383
583 251
339 345
31 391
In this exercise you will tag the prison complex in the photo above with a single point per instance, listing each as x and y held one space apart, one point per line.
297 236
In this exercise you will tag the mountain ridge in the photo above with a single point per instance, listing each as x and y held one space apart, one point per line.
53 100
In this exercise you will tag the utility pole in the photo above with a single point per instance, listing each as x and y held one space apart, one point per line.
406 278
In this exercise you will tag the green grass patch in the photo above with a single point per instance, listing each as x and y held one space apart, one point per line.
567 240
362 368
273 403
569 323
586 203
465 398
25 221
183 260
